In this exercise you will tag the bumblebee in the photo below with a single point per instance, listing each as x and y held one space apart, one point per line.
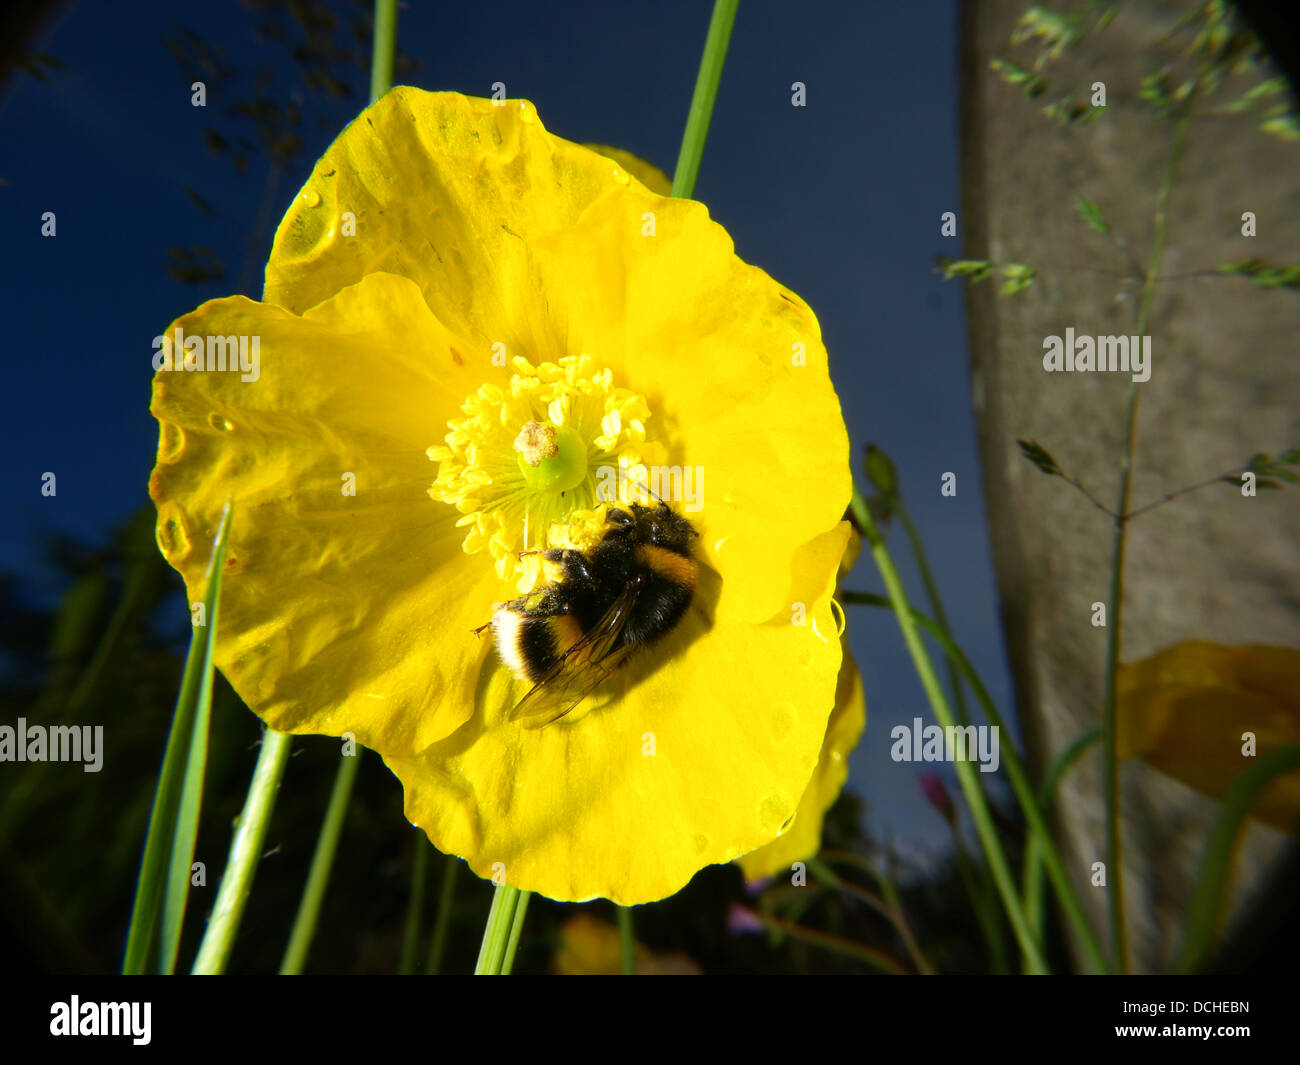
624 594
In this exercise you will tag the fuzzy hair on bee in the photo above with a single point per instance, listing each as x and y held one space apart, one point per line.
622 595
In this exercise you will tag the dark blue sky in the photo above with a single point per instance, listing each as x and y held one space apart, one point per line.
840 200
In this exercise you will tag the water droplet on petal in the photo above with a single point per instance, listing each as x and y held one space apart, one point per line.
171 442
621 177
172 538
772 812
311 197
220 424
783 721
526 112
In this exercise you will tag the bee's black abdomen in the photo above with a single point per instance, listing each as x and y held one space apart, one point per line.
645 561
531 643
537 645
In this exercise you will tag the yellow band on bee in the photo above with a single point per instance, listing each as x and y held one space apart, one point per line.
670 565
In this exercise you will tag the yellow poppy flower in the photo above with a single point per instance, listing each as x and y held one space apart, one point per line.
802 839
1204 713
455 283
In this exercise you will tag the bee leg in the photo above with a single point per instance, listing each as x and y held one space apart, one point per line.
488 624
575 566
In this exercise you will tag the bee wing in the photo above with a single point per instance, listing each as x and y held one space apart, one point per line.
580 670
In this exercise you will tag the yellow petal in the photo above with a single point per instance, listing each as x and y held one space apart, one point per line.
645 172
803 838
1187 709
447 190
699 756
851 553
337 611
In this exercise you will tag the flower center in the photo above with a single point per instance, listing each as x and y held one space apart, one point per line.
551 458
529 463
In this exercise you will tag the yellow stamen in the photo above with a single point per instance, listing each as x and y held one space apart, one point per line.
524 465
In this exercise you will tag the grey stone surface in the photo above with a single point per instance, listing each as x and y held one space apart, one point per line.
1224 383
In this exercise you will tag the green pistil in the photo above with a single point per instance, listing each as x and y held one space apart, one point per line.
551 458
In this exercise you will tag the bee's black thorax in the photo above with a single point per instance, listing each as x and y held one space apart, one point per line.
647 550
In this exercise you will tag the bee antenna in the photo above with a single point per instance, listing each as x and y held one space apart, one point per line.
651 493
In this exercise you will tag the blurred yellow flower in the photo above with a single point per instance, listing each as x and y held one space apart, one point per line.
591 947
450 273
1203 713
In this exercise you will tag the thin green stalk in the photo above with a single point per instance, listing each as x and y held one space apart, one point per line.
446 896
795 900
895 901
75 627
516 930
245 852
187 819
706 92
1032 806
936 604
322 861
1207 902
415 909
134 591
163 883
1031 879
1114 615
824 872
497 932
627 940
986 911
984 904
984 826
1033 888
381 57
887 907
835 944
887 889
